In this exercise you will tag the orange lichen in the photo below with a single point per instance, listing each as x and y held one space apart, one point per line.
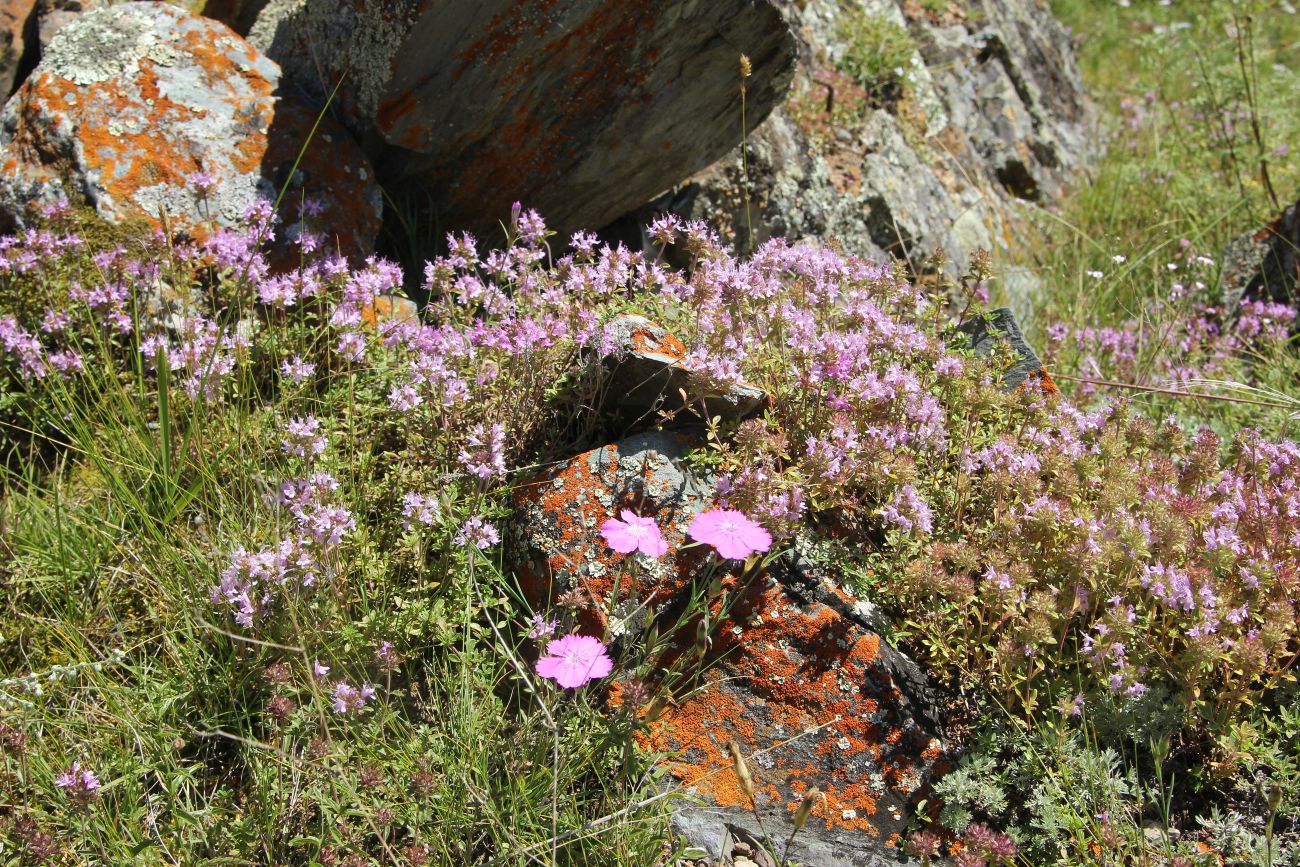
645 340
800 707
139 142
389 308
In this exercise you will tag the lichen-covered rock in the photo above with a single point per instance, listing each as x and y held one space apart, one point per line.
797 674
131 102
813 699
558 544
988 109
16 19
582 109
647 378
1265 265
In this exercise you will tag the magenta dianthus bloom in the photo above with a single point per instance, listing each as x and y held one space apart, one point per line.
574 660
731 533
634 533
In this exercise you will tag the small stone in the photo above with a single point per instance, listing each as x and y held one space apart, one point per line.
647 379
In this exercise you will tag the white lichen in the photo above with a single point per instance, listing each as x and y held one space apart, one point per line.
106 44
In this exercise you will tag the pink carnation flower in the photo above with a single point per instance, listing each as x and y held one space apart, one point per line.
634 533
574 660
733 535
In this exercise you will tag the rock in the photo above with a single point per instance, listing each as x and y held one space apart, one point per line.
647 378
130 101
999 327
796 675
16 32
53 15
1265 265
560 512
991 110
814 699
238 15
388 311
582 109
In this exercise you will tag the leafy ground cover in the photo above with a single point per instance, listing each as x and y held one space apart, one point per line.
256 604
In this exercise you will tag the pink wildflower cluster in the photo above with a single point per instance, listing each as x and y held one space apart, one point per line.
306 555
80 785
202 353
349 699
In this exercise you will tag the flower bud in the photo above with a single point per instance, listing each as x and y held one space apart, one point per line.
1273 796
810 799
742 769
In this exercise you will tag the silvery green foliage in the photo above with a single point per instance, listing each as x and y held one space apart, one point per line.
1082 789
1242 840
1140 719
13 689
976 788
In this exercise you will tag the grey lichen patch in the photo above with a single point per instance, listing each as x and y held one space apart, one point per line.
308 36
106 44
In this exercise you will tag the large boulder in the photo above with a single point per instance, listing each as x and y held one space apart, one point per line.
984 108
582 109
796 672
130 103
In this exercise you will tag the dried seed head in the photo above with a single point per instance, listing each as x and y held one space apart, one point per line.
746 68
742 769
810 799
656 708
1273 797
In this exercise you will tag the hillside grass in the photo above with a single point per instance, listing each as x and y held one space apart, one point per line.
1202 146
251 575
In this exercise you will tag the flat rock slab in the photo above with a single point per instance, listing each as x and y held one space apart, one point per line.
582 109
130 101
999 327
798 676
813 699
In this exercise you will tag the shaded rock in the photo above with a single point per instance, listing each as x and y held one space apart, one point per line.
646 378
998 328
795 674
1265 265
238 15
129 102
16 32
582 109
54 15
991 110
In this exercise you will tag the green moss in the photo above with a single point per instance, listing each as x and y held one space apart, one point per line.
878 54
